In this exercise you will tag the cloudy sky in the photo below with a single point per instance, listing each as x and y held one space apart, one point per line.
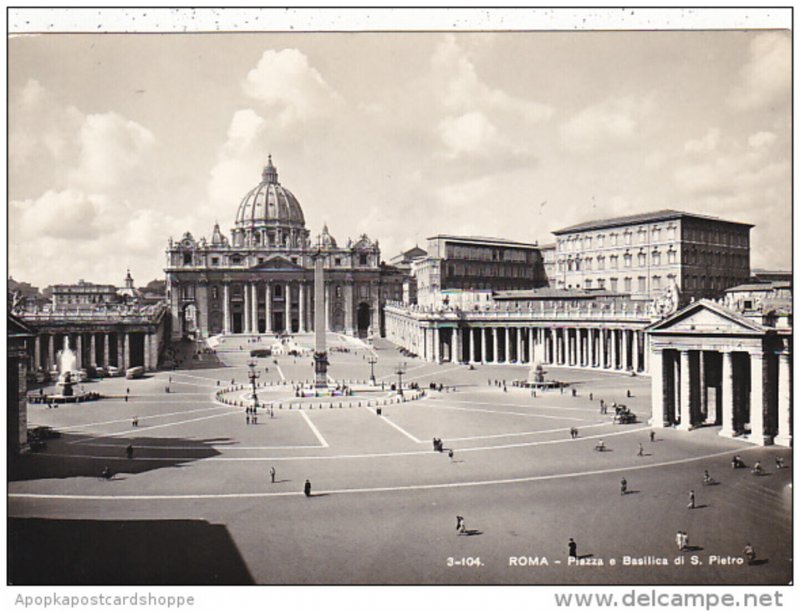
118 142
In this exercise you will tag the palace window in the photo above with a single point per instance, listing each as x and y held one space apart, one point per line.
642 235
614 259
642 259
628 259
671 231
642 284
656 258
588 242
362 259
601 262
236 260
277 290
627 285
613 282
601 283
613 239
337 261
671 256
187 258
656 282
627 237
214 260
601 239
656 234
587 283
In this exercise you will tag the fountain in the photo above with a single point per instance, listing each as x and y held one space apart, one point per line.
68 377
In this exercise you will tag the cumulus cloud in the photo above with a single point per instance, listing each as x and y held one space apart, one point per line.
765 80
289 87
467 133
761 139
609 122
706 144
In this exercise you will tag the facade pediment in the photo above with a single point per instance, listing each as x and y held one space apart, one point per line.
706 317
278 263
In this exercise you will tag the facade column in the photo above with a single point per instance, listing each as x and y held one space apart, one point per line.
79 349
708 416
520 358
246 311
37 353
602 336
494 358
106 350
268 307
484 340
532 331
657 390
92 351
591 347
757 398
685 393
728 427
254 300
784 436
287 300
349 327
328 301
127 349
302 308
455 351
614 352
508 344
154 351
226 308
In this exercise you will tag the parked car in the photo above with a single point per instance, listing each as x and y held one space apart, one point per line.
261 353
113 372
134 373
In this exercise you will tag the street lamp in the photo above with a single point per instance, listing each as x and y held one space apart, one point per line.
253 375
372 360
400 370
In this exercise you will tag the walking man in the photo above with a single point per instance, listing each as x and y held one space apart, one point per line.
573 548
460 526
691 504
272 474
307 488
450 454
652 436
641 450
623 486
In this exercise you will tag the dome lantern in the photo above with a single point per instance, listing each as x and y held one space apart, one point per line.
269 175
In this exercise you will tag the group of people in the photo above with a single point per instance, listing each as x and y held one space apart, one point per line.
251 415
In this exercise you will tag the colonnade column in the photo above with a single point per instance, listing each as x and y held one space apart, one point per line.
784 436
37 353
495 355
519 345
757 397
51 352
532 344
287 300
92 351
455 351
624 340
106 357
302 308
471 333
226 308
484 337
602 336
508 344
246 311
127 349
657 390
79 349
613 334
146 352
685 392
591 347
267 307
727 395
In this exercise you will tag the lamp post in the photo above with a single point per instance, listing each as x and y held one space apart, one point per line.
400 370
253 375
372 360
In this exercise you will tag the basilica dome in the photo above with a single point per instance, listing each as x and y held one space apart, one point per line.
269 216
269 203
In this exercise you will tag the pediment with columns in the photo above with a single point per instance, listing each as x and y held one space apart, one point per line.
706 317
278 263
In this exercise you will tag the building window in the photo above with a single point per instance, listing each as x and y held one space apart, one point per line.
671 256
613 239
362 259
278 290
236 260
642 235
337 261
627 237
338 291
587 283
601 239
656 282
628 259
214 260
613 282
601 262
587 263
656 258
187 258
671 232
214 292
601 283
642 259
627 285
588 242
656 234
642 284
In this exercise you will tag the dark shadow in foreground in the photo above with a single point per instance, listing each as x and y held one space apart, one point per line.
128 552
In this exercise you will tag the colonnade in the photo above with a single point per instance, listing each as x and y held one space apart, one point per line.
693 387
259 304
621 348
93 349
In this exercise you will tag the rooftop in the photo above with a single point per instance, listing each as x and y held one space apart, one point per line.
483 240
659 215
760 286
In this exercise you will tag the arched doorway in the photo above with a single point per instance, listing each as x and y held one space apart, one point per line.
363 319
189 320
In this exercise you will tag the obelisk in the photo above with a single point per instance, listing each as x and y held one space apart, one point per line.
320 352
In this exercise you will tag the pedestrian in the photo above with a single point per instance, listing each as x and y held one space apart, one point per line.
591 396
450 454
247 418
129 451
254 418
749 553
679 540
126 398
573 548
133 421
641 450
105 473
691 504
623 486
628 393
706 478
684 540
307 488
652 436
460 525
127 391
272 474
574 392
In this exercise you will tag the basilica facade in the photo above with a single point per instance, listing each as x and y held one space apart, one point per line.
260 279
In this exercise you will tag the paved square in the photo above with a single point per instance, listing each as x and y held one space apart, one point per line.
383 503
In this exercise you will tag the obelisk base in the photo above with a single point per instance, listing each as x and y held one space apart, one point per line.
320 370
